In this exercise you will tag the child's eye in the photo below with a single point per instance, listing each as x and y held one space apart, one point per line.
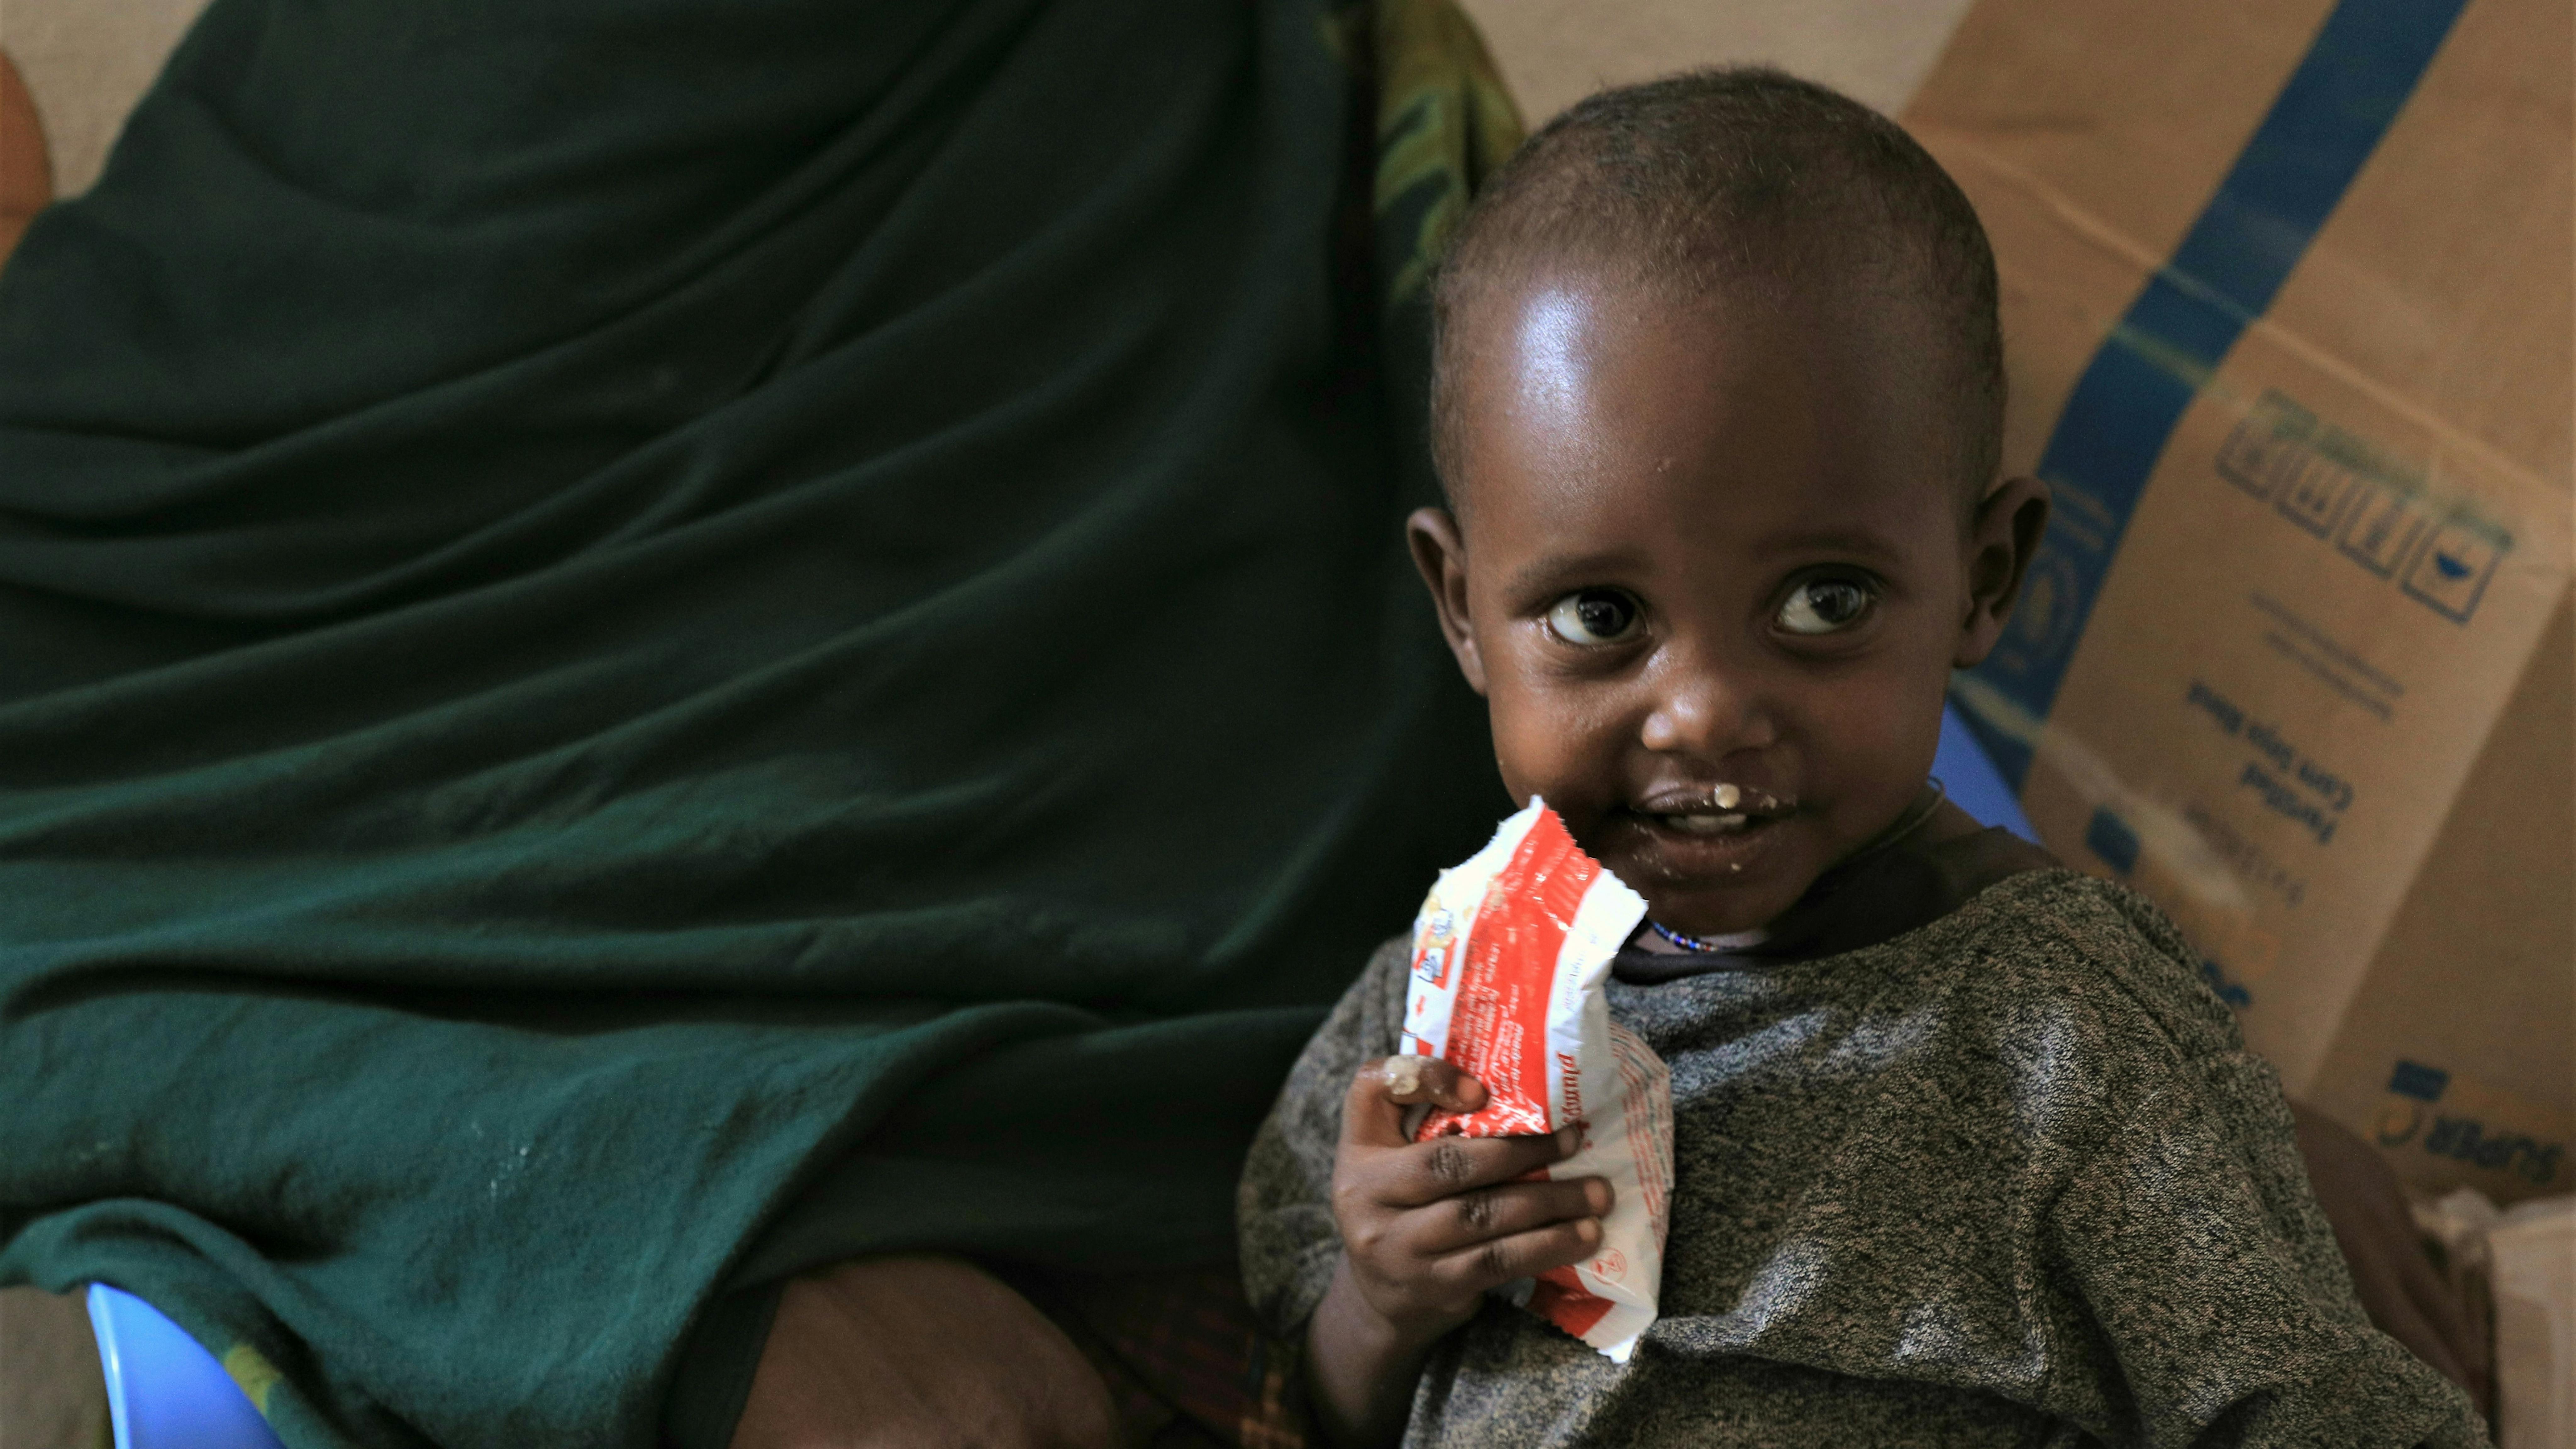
1821 606
1593 616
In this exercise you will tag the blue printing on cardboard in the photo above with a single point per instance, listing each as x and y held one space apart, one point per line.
2347 90
2460 1137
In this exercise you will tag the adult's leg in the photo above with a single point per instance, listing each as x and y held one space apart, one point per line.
2391 1272
921 1352
26 177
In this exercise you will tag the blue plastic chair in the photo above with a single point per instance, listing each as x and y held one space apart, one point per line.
1974 784
164 1391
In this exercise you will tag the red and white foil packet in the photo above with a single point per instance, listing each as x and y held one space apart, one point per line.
1509 957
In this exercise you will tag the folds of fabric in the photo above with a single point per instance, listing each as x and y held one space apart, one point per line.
603 604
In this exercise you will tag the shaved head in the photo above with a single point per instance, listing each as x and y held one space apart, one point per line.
1750 185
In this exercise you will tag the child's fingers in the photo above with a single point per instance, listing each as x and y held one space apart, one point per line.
1373 1112
1522 1255
1446 1166
1413 1079
1486 1214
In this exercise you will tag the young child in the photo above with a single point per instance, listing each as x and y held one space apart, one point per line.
1965 1152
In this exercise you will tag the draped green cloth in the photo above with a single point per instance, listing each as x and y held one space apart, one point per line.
605 604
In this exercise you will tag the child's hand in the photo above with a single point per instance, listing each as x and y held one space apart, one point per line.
1427 1227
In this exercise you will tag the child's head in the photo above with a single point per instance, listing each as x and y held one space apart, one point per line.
1718 406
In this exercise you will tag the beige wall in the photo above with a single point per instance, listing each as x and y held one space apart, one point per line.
1555 52
85 62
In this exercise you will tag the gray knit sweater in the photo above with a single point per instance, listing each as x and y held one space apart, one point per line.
2010 1178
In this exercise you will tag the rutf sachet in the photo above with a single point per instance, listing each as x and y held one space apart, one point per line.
1510 954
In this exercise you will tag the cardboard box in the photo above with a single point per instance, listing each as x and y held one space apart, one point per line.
2286 294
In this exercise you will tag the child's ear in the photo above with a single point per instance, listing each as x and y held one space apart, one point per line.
1441 555
2003 537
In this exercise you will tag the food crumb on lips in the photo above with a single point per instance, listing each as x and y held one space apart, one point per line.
1716 812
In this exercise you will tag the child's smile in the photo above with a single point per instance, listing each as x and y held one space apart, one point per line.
1692 832
1713 564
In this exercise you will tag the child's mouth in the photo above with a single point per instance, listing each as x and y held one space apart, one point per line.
1708 832
1705 824
1714 810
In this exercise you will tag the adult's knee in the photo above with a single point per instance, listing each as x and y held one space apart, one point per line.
920 1352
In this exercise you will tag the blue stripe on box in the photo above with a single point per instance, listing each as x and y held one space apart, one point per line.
2355 78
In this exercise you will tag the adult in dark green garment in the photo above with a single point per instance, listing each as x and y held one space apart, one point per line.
607 607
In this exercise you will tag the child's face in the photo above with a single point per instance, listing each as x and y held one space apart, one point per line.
1713 570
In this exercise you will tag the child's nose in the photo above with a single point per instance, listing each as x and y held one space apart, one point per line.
1704 711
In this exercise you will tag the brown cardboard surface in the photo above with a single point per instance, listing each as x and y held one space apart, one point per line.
2489 1010
2328 603
2128 110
